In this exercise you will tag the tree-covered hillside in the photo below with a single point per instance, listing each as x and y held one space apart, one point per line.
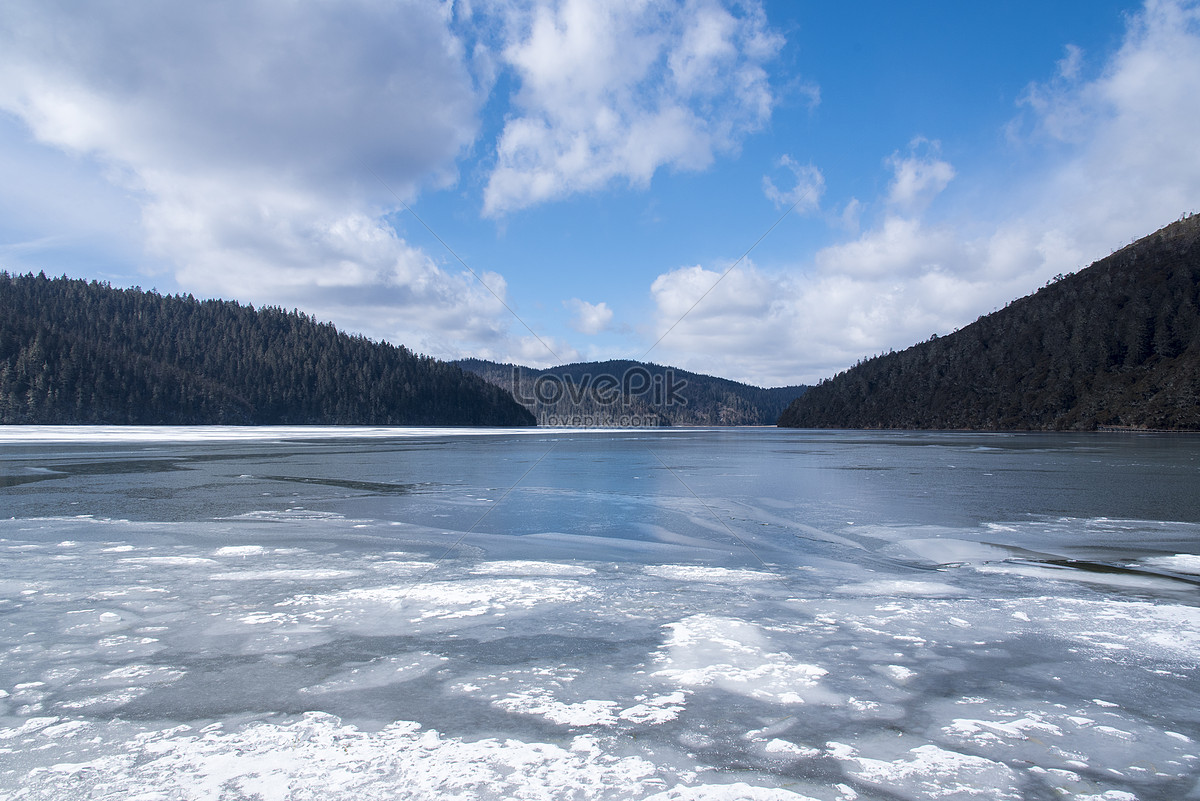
78 352
1116 344
604 393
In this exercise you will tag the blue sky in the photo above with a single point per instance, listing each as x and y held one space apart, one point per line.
599 166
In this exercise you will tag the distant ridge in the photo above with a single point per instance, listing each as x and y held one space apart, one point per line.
622 391
82 353
1116 345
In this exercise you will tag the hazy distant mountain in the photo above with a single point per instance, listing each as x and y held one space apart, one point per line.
624 392
79 352
1116 344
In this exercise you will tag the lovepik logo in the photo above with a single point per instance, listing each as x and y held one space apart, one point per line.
603 389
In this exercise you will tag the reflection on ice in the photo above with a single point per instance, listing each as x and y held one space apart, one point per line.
378 673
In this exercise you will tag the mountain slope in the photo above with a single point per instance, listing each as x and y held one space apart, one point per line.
79 352
625 391
1116 344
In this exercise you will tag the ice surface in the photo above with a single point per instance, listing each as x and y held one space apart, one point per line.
592 636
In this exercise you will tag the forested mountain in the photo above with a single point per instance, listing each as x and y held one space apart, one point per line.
79 352
624 392
1116 344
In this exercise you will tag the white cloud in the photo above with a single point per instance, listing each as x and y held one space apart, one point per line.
775 329
918 177
898 247
1130 166
1069 66
619 90
850 219
537 351
1136 166
589 318
806 91
809 185
322 93
251 134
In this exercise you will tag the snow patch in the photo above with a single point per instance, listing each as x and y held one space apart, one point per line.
530 568
929 772
700 573
735 656
285 574
240 550
923 589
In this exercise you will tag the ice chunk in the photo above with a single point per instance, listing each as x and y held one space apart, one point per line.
240 550
779 747
927 772
655 710
1180 563
542 703
897 673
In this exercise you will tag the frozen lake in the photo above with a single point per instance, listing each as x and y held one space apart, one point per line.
669 615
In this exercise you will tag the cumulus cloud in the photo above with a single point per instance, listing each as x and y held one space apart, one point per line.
537 351
776 328
808 184
1136 165
253 136
614 91
321 93
1122 162
919 176
589 318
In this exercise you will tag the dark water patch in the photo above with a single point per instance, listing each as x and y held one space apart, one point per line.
879 468
113 468
149 494
375 487
28 478
357 444
517 650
